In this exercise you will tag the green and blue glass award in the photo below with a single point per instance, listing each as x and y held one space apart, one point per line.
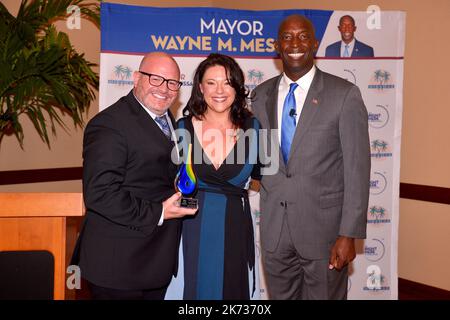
186 182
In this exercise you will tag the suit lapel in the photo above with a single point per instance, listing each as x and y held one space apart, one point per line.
355 52
272 115
310 108
145 121
272 104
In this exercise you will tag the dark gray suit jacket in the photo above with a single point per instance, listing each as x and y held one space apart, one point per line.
324 188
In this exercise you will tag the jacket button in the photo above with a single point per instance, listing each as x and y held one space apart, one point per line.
288 175
282 203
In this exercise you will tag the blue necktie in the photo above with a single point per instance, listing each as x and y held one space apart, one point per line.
288 122
162 120
346 53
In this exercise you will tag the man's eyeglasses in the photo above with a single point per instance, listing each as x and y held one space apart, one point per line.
157 81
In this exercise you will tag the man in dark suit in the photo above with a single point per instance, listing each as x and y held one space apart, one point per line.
315 206
349 46
128 246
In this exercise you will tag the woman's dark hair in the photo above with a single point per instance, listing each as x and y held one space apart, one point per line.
196 105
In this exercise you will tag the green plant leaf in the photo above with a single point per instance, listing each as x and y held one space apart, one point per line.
41 75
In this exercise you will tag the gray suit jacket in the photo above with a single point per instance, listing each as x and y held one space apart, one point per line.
324 188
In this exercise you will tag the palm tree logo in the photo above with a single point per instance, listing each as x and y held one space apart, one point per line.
381 80
256 216
127 71
122 72
379 146
377 213
382 76
118 70
255 76
376 279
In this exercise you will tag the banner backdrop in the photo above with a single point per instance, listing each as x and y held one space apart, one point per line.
190 34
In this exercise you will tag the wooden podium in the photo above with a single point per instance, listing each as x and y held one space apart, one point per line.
37 221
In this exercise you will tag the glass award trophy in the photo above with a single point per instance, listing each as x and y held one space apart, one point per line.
186 182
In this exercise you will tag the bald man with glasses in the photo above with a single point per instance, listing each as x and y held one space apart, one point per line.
128 245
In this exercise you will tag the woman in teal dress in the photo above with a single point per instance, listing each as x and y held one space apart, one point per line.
218 242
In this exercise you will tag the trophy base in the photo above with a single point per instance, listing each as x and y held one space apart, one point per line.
190 203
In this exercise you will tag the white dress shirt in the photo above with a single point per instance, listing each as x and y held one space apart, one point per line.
300 94
153 115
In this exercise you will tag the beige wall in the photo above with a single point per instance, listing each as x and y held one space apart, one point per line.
424 227
423 248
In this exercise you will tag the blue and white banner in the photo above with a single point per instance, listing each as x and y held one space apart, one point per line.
376 67
196 31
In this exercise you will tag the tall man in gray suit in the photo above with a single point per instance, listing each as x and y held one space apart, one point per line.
315 206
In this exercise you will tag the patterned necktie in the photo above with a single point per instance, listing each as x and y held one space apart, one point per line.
346 54
162 120
288 122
